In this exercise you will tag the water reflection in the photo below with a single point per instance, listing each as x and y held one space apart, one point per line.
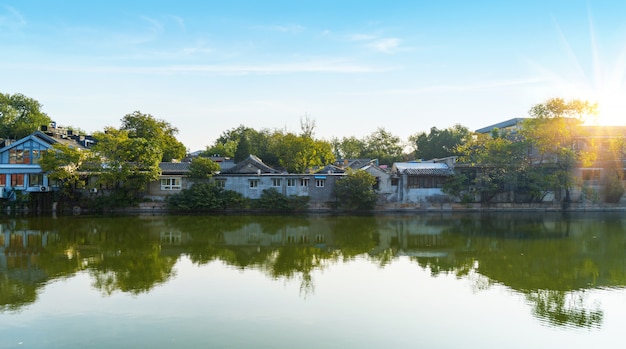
550 259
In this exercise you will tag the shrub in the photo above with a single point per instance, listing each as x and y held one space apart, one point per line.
206 196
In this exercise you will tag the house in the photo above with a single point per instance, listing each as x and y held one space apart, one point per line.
605 144
172 180
250 177
19 163
421 181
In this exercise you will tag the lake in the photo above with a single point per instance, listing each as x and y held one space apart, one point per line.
483 280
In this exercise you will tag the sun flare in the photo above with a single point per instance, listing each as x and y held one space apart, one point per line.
593 76
611 109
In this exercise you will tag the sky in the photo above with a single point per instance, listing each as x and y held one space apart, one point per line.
350 66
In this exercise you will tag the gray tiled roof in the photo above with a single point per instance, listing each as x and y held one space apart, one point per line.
428 171
174 167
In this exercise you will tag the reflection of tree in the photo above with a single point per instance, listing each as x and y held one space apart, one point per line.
564 308
132 271
15 294
355 235
288 261
549 258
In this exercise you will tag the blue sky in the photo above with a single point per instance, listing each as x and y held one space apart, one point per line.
352 66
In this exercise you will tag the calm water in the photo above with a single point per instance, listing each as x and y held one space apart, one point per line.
418 281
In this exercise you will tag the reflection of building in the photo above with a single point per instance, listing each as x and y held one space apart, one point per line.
256 234
20 251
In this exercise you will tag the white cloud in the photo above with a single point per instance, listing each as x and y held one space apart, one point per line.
385 45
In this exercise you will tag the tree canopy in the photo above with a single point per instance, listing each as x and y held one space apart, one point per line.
439 143
20 116
158 132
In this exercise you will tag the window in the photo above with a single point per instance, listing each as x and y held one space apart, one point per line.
254 183
394 181
3 180
220 183
35 156
276 182
171 183
35 180
320 183
304 182
425 181
17 180
291 182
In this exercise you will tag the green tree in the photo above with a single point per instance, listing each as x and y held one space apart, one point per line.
384 146
243 148
348 147
126 165
63 164
503 164
355 190
221 149
551 131
299 154
20 116
159 132
202 168
439 143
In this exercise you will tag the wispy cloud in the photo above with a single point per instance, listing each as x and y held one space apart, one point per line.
286 68
155 26
377 42
385 45
11 18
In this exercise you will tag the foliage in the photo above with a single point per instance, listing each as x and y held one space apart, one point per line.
348 147
202 168
439 143
221 149
299 154
271 199
355 190
206 196
551 131
384 146
20 116
159 132
62 164
125 164
613 187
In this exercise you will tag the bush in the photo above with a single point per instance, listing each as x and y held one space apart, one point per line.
614 189
271 199
355 191
206 196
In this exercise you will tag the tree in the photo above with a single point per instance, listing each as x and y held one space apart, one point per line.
20 116
551 131
348 147
355 190
298 154
383 146
63 164
243 148
156 131
126 165
203 168
439 143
